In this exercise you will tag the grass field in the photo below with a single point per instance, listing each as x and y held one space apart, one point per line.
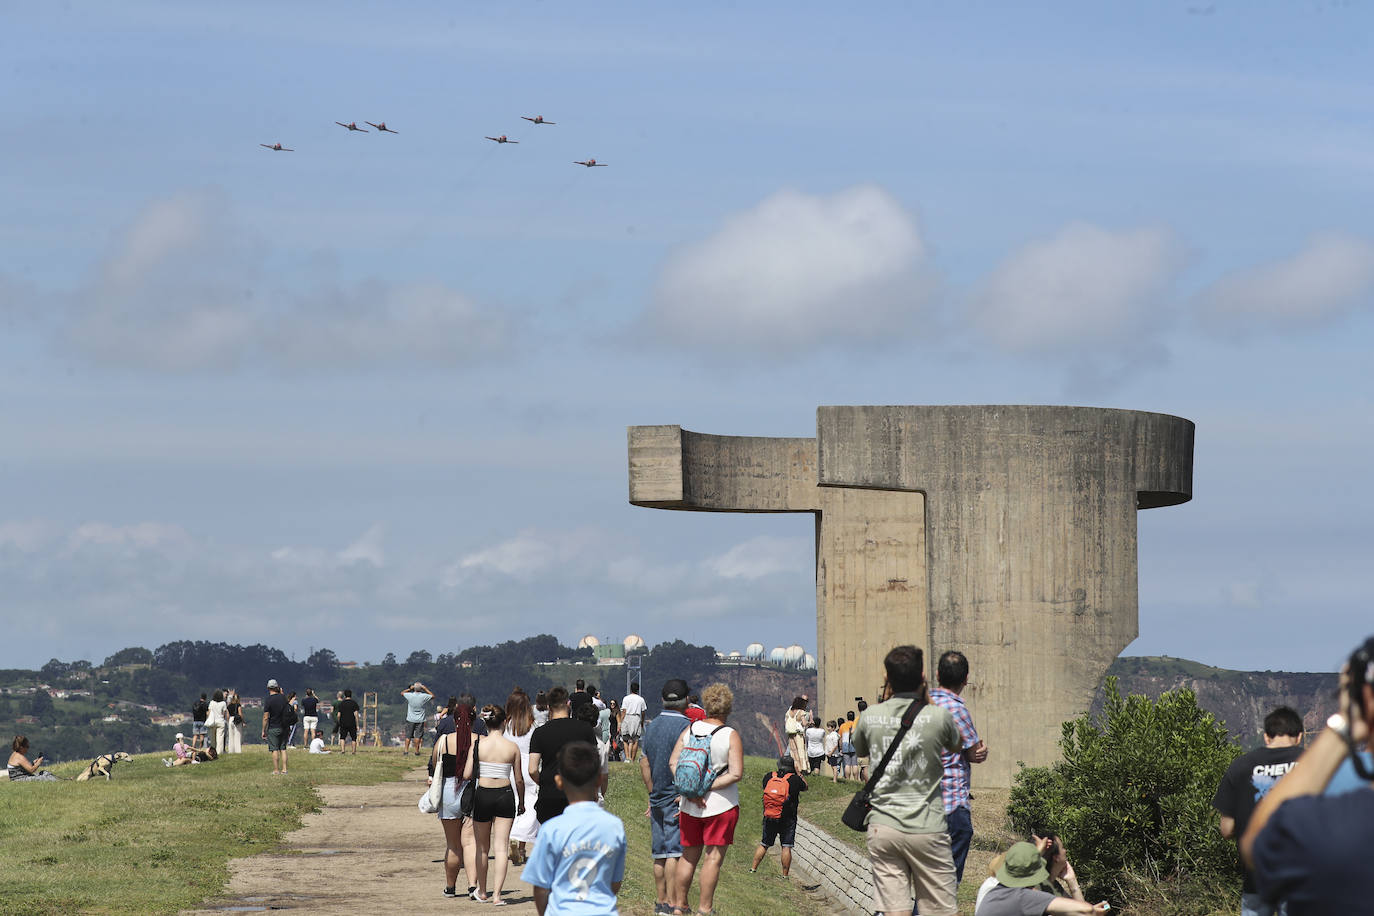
155 840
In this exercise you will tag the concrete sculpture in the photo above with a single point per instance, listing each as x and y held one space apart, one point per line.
1007 532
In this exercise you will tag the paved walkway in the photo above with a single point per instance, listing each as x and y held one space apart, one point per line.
369 850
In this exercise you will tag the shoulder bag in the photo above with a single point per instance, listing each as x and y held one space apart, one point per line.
433 799
855 816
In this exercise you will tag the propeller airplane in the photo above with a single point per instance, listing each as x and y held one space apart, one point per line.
502 139
351 125
382 128
592 164
276 147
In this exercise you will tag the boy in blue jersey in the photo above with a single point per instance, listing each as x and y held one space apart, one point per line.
578 860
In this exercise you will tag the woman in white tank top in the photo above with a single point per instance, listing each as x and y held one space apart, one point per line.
707 825
494 758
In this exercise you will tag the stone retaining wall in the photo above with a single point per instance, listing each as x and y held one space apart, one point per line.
841 870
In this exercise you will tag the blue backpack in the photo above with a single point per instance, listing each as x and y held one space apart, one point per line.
692 777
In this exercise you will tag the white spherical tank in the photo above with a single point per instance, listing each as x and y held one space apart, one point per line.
588 642
793 655
809 662
754 651
735 655
634 641
778 655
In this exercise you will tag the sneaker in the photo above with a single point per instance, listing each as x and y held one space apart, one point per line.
450 892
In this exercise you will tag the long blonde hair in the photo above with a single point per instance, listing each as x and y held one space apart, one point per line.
519 716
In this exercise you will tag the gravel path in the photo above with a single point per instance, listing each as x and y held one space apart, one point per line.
367 851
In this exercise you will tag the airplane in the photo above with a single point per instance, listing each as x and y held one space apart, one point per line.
537 119
502 139
277 147
383 128
592 164
351 125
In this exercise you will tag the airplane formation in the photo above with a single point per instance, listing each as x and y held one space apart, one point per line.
381 128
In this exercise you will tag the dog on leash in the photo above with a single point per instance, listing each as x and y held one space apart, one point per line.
102 765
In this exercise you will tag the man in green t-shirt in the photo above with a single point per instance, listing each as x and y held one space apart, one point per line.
908 846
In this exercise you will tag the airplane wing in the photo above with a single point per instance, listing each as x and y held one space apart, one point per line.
341 124
368 123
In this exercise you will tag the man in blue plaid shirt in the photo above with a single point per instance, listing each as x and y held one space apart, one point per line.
952 674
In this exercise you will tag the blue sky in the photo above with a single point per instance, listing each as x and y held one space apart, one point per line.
372 394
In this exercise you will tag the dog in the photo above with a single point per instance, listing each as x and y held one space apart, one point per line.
102 765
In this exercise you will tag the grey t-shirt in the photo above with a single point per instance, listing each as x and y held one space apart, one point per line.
1015 901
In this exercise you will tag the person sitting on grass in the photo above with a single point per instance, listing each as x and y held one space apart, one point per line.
578 862
317 744
182 750
21 768
782 790
1021 883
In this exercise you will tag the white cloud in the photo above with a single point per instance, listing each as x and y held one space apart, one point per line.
27 536
763 556
1083 287
366 549
129 539
795 272
189 288
1332 274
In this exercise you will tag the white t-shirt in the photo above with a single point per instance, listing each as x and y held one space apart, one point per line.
832 743
815 742
218 714
317 746
634 705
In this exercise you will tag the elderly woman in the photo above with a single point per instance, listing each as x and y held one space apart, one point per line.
707 824
21 768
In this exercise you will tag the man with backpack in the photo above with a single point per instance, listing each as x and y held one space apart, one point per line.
665 846
782 791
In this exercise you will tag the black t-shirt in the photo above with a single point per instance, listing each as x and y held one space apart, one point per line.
1248 779
548 739
579 698
348 713
200 711
274 707
309 705
795 787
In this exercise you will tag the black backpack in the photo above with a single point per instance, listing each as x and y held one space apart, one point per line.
200 710
288 716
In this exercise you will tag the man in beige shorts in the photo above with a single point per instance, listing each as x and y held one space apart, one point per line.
908 842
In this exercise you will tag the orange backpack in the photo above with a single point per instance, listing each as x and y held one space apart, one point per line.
775 794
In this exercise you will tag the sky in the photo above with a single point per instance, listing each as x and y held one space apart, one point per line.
372 394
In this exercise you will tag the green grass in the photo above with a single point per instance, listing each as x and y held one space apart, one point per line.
156 840
739 892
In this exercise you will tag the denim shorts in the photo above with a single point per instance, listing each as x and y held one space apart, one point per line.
663 821
451 795
199 728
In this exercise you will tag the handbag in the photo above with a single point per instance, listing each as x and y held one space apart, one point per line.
433 799
855 816
468 798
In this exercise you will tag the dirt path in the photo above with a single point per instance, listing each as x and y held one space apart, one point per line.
368 851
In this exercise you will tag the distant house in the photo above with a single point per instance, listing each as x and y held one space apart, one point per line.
27 720
175 719
112 717
348 664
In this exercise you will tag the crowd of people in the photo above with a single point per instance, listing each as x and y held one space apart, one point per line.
524 783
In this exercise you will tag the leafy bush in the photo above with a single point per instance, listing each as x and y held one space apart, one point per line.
1132 801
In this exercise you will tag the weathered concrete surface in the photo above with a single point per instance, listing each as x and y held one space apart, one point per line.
1007 532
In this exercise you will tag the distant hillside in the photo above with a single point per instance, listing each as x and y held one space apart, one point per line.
1240 699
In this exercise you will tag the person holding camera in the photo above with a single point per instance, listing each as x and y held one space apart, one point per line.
1310 849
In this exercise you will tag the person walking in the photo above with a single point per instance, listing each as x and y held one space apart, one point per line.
295 718
633 708
707 824
519 729
795 729
815 745
446 763
547 741
494 762
273 726
660 737
908 846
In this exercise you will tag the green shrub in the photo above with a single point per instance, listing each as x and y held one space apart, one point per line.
1132 801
